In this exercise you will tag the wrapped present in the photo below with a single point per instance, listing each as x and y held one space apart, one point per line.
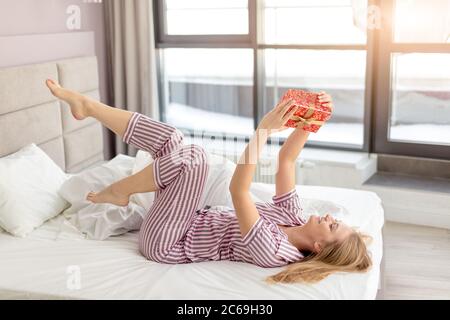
311 115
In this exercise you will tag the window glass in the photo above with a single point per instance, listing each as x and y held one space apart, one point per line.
210 89
201 17
420 108
315 22
421 21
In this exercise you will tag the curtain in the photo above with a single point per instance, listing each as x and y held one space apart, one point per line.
131 60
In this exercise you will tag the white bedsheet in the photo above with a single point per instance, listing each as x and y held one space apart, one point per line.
46 264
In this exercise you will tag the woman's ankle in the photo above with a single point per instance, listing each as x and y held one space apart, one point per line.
121 188
88 107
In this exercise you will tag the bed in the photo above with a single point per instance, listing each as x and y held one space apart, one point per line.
57 262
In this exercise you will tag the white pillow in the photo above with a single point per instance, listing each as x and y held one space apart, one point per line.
29 186
216 192
100 221
216 187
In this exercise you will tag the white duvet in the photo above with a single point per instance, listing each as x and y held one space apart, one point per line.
57 261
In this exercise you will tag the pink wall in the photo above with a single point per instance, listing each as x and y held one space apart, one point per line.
23 17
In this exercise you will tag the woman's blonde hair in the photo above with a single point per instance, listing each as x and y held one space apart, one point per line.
350 255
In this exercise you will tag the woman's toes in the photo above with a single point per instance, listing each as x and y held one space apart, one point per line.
78 103
108 195
53 86
91 196
50 84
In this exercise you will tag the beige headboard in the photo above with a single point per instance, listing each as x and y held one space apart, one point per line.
30 114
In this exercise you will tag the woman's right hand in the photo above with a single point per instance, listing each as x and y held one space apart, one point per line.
275 120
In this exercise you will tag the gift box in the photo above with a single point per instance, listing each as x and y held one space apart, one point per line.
311 115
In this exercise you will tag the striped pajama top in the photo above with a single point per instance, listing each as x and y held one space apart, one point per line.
215 234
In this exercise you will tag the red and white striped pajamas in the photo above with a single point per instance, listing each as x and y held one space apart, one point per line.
174 231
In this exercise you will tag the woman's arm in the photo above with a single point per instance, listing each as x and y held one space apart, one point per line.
287 157
241 181
289 152
246 211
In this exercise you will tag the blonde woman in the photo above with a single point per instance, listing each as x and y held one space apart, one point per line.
269 234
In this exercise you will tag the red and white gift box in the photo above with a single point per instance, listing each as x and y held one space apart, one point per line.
311 114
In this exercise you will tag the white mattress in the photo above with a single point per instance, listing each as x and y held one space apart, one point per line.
39 266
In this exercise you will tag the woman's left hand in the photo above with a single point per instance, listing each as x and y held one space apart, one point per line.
275 120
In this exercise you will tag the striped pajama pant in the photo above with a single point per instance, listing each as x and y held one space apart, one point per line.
180 172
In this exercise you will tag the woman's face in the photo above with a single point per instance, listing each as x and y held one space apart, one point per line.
326 230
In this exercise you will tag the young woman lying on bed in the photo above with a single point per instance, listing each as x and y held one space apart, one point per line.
271 234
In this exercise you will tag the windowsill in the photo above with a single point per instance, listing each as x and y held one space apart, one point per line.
334 157
408 182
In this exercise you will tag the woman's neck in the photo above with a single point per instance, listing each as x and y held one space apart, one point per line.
299 238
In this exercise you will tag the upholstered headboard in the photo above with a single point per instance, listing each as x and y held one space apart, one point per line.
30 114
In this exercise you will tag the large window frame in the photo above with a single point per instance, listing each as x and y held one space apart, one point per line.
377 96
383 91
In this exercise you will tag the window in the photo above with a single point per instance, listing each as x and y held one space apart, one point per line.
206 17
225 63
209 89
422 21
311 22
413 92
420 110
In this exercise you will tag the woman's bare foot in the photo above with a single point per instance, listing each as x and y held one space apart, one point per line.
111 194
79 104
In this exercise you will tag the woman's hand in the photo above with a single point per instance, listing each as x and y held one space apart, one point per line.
275 120
325 100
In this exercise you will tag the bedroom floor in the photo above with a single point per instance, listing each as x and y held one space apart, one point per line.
417 262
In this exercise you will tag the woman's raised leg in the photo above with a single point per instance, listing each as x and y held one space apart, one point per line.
83 107
158 138
136 129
